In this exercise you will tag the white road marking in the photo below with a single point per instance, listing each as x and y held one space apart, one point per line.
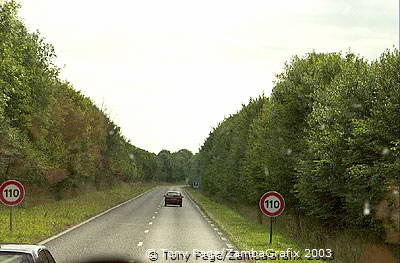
146 231
155 212
153 217
90 219
212 224
229 245
216 229
219 233
208 221
150 223
140 244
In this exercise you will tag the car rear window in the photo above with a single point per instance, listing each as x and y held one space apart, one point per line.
173 194
12 257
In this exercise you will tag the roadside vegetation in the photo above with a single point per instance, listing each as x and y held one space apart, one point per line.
52 137
241 225
327 139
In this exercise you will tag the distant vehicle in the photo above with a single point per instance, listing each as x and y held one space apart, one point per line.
15 253
173 198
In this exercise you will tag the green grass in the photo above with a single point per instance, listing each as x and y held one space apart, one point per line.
41 216
245 235
240 224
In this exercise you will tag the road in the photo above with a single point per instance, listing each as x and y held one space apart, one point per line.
141 224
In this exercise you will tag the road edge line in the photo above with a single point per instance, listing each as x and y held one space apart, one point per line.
204 212
43 242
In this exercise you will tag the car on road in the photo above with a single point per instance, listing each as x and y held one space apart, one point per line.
173 198
17 253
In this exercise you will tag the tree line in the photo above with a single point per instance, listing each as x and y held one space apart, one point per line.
327 139
54 137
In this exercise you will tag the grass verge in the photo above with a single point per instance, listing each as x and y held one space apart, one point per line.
241 227
245 235
35 221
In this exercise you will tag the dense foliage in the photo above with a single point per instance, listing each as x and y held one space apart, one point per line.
52 136
327 139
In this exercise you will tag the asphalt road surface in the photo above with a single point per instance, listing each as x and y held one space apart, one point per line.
144 227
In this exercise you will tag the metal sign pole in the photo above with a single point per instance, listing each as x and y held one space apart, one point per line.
270 231
10 218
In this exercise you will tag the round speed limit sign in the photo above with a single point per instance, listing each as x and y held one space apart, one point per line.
272 204
12 192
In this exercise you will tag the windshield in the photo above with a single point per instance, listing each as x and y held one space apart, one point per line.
173 194
200 131
10 257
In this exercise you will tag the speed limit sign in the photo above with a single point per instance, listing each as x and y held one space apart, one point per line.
12 192
272 204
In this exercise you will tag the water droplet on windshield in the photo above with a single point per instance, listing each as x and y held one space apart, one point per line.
266 172
367 209
289 151
131 156
385 151
111 132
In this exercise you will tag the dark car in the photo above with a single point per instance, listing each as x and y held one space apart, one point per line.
173 198
16 253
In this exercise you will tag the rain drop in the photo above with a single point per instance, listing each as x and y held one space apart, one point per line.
111 132
367 209
131 156
266 172
289 151
385 151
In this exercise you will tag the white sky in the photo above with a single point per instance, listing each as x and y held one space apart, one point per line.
168 71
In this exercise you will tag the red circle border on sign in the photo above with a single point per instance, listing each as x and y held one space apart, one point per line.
19 186
277 195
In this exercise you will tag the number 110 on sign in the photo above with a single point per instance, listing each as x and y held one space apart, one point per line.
272 204
11 193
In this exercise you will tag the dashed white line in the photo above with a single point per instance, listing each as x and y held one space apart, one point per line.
146 231
90 219
140 244
150 223
155 212
212 224
216 229
153 217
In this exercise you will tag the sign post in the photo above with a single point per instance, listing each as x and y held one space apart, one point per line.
12 193
272 204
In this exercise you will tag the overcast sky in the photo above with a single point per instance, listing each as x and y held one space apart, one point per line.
168 71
